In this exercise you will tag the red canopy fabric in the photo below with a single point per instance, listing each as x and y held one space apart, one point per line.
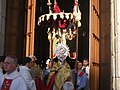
56 8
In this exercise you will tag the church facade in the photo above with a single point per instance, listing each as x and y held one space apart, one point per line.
18 36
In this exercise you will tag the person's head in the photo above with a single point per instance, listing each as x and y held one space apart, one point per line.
10 64
79 65
85 62
2 58
33 60
27 62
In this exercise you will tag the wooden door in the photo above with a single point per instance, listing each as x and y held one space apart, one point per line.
94 45
31 9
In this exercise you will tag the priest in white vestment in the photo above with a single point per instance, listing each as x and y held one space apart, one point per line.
25 72
12 80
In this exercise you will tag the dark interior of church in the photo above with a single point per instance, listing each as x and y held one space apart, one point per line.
41 37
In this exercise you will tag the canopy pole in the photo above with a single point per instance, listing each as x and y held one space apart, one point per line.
51 37
77 37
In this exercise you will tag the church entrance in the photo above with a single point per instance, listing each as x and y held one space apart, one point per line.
93 41
94 35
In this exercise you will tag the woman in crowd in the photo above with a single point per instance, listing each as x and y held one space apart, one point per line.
79 77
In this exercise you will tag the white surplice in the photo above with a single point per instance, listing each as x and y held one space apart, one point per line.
28 78
18 83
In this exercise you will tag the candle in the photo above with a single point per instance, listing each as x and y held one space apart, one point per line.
76 0
48 1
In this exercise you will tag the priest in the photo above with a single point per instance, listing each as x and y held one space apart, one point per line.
12 80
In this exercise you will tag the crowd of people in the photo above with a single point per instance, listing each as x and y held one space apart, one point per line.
57 75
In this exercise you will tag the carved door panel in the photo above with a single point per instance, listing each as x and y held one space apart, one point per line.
94 45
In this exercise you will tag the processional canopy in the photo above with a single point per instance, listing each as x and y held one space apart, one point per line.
61 25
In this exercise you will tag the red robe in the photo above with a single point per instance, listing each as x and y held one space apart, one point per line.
41 86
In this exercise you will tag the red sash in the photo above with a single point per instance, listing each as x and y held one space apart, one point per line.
6 84
81 74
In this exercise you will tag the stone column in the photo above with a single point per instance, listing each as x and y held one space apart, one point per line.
115 44
2 24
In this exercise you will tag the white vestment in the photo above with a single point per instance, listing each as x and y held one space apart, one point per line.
1 73
18 83
28 78
87 70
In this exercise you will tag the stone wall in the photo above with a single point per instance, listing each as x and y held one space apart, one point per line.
115 42
2 25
